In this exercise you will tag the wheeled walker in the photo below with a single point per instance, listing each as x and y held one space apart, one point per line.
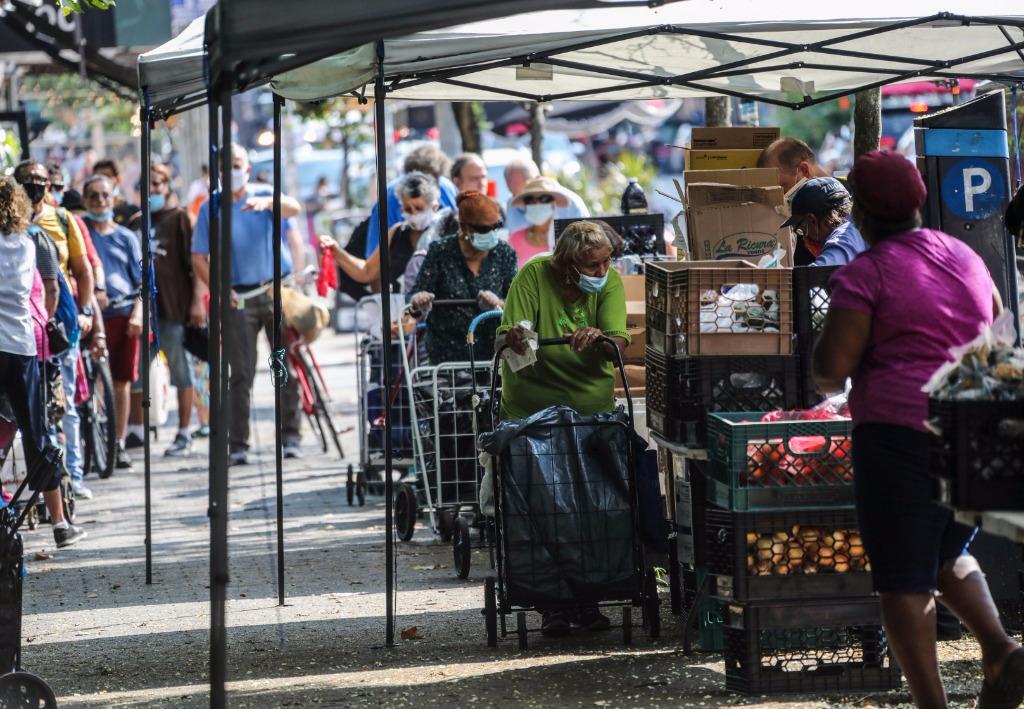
566 516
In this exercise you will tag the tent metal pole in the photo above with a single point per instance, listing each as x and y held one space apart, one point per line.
379 93
278 369
493 90
147 326
221 276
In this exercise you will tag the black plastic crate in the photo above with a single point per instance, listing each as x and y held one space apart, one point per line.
978 460
811 397
682 391
12 569
811 296
764 556
768 466
812 647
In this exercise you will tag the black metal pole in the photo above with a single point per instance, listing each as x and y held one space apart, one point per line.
379 93
147 262
279 373
221 276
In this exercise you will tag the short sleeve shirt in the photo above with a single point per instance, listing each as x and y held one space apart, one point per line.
17 271
121 254
926 292
65 234
584 381
842 246
252 240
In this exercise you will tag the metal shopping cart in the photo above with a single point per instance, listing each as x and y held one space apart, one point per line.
445 481
566 520
374 387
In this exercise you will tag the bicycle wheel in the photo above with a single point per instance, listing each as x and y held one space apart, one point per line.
102 436
320 404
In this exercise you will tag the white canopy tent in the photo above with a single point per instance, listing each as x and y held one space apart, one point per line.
792 53
173 76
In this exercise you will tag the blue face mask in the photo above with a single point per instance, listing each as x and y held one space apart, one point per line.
487 241
101 217
157 202
591 284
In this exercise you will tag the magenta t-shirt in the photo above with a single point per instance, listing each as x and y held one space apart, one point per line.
926 292
523 248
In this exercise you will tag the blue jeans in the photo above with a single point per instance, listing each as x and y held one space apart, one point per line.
70 422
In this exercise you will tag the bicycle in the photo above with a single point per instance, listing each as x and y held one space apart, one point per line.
316 401
96 416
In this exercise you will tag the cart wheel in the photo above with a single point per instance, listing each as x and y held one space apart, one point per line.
67 493
491 612
361 487
462 547
24 689
445 524
405 512
350 487
652 605
521 629
627 625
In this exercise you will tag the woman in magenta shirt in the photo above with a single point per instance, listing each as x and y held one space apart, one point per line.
896 310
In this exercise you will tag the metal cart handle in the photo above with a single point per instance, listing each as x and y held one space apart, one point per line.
550 341
482 317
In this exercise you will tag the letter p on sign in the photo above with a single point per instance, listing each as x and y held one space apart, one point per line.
974 189
977 180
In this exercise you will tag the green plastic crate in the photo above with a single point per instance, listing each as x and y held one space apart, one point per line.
758 466
711 613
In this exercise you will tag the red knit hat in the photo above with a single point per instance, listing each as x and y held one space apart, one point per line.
887 186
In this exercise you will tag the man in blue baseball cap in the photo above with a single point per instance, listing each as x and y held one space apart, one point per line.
821 219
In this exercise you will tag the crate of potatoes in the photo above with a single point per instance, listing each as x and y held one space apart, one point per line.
763 556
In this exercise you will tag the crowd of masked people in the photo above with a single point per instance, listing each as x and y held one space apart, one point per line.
70 289
71 279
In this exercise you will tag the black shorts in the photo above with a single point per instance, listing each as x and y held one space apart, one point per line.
907 535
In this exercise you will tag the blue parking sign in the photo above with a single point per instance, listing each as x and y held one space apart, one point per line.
974 189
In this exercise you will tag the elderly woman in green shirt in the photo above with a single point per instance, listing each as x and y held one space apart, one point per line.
575 293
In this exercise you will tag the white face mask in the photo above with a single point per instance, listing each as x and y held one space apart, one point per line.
420 220
239 178
537 214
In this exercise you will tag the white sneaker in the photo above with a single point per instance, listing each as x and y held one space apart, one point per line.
81 491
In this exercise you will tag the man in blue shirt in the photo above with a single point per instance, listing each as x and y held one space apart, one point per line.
518 172
821 218
428 159
252 274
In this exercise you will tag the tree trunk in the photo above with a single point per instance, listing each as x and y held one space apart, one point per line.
718 111
537 133
867 122
469 129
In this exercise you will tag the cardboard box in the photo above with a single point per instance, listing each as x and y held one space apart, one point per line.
634 353
636 375
636 311
706 194
721 159
739 231
634 287
732 138
750 177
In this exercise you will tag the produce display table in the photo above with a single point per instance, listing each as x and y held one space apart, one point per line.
1004 524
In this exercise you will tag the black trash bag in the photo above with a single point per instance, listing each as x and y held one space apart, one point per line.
197 342
566 508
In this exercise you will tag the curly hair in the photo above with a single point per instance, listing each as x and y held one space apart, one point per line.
15 209
576 241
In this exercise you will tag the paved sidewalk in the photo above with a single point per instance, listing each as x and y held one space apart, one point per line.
103 638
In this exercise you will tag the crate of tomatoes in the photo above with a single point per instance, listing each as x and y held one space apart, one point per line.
781 460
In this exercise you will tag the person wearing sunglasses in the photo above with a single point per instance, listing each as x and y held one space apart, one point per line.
476 264
821 220
539 199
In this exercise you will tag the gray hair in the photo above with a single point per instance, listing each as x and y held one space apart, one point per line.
462 160
837 213
576 241
417 184
522 164
427 158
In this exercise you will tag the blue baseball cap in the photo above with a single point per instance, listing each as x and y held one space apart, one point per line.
816 196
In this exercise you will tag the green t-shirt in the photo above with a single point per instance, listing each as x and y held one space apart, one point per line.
583 381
